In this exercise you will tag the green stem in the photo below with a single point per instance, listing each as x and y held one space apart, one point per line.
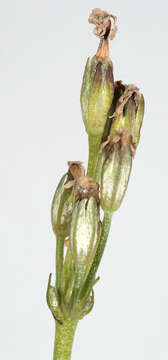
59 260
100 161
64 337
99 253
94 145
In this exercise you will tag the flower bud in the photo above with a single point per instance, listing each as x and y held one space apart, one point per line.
115 175
97 94
84 232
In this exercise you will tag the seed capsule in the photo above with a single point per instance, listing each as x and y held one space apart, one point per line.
63 200
56 202
84 231
84 238
115 176
97 94
62 203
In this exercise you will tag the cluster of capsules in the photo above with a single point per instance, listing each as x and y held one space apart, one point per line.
112 113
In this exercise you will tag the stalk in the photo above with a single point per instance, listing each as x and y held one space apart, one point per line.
100 161
94 144
64 336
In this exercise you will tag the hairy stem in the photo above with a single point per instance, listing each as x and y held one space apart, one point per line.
64 336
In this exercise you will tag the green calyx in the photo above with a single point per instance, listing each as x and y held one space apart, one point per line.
56 201
114 179
64 213
63 201
84 237
97 94
84 231
61 208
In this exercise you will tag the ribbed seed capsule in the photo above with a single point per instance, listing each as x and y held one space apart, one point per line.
62 205
84 231
115 176
84 237
64 212
63 200
56 201
97 94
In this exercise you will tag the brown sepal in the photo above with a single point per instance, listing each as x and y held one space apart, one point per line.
76 169
130 91
84 188
120 139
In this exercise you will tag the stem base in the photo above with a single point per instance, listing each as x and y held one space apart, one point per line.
64 339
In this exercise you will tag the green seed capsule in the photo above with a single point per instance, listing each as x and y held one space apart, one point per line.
56 202
61 208
64 212
97 94
84 232
84 238
115 176
63 201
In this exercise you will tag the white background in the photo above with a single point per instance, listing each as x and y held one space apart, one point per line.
43 49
